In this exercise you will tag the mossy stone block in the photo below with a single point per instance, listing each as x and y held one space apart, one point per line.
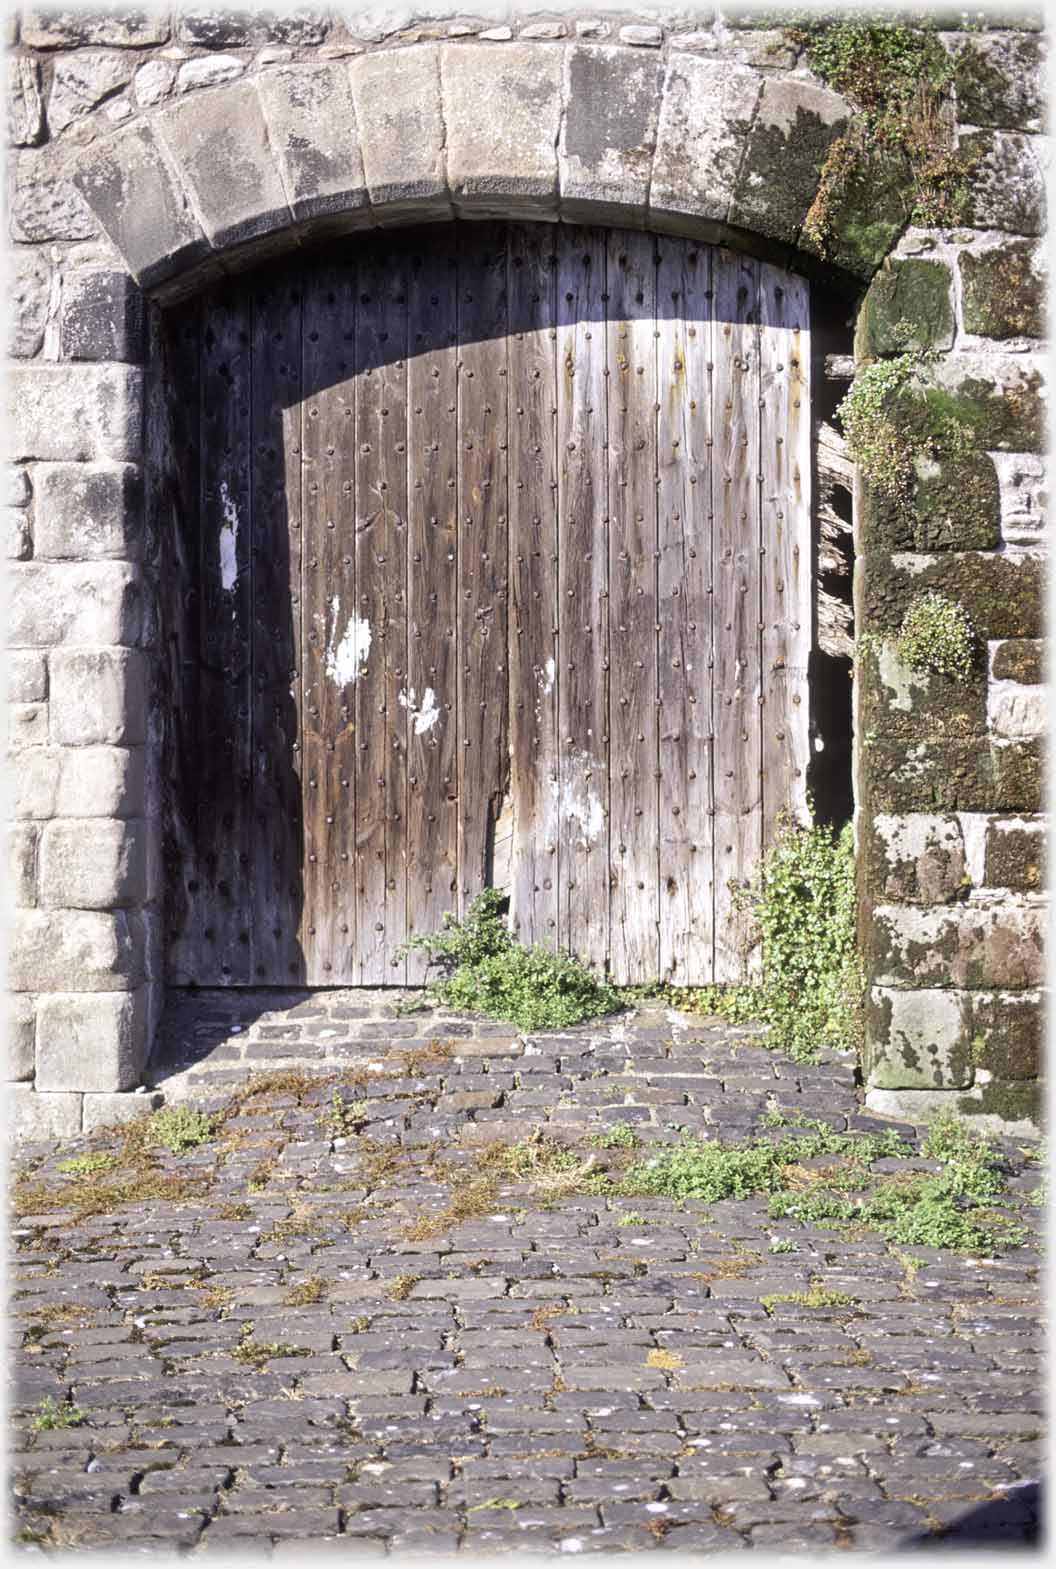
1006 1034
908 306
1002 294
1002 597
865 216
1016 1100
955 505
915 858
950 776
1019 659
1014 857
916 1040
1000 81
898 702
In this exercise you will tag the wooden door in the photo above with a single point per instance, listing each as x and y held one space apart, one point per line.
503 576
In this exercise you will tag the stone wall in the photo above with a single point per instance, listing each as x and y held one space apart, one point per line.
150 151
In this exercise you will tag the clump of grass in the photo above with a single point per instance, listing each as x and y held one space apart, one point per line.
620 1136
667 1361
312 1289
87 1165
257 1352
937 637
399 1288
487 971
49 1415
818 1296
181 1128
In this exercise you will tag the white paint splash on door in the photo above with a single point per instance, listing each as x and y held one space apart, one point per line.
547 677
228 540
345 659
576 797
423 716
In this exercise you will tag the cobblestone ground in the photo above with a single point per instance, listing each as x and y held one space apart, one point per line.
314 1345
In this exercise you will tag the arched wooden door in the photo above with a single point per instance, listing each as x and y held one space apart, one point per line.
501 574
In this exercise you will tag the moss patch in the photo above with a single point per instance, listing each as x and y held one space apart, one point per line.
1002 294
896 701
999 80
1014 858
1015 1100
951 776
1001 597
1020 659
1009 1033
907 306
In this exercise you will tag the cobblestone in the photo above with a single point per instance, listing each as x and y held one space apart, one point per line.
324 1346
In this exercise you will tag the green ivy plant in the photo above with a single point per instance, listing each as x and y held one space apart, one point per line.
802 908
876 439
937 637
898 81
487 971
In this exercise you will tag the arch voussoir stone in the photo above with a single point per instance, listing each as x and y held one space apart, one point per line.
582 132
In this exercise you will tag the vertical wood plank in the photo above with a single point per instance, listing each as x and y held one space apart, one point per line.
482 550
785 561
187 889
738 761
432 714
224 817
632 425
381 544
533 491
686 872
329 650
275 498
582 783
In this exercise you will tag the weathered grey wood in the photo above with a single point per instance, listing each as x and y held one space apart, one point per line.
275 502
634 774
835 476
582 783
482 550
533 491
224 816
432 441
784 559
686 871
738 763
329 935
380 488
187 891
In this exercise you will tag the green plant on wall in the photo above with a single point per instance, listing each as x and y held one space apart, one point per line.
877 441
902 134
937 637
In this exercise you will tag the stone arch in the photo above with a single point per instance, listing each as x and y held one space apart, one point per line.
581 132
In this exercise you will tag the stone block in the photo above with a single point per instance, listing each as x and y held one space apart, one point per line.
219 143
794 127
217 27
920 1106
908 305
1007 1033
102 317
997 398
108 1110
45 203
917 1040
27 726
23 841
69 413
153 82
401 129
16 490
966 946
956 504
93 864
116 25
91 1041
32 1116
25 106
29 285
82 80
208 71
85 781
1003 291
1014 854
1016 713
705 113
1000 79
915 858
1018 659
99 697
21 1034
1017 772
89 512
1007 188
895 700
27 676
73 602
608 134
128 183
75 950
18 537
312 122
1002 594
502 112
